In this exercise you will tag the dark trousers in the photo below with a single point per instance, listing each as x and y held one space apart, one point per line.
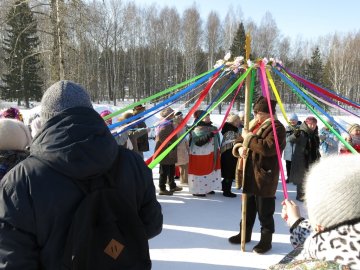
265 208
288 168
167 173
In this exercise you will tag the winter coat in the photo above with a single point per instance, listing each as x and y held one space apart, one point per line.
39 196
204 160
290 147
340 244
261 167
9 158
228 161
134 136
163 132
306 152
143 140
182 148
329 143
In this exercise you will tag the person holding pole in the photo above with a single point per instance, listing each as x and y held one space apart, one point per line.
257 150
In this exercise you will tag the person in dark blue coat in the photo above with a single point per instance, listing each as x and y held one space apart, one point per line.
39 196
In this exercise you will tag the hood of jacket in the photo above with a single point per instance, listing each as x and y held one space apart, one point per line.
77 143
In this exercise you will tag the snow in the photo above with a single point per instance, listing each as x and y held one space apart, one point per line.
196 229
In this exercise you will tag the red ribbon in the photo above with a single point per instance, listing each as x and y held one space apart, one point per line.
186 119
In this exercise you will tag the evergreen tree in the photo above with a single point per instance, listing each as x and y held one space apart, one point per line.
315 69
238 45
238 49
22 81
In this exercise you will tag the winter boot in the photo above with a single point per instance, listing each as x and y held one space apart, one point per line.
165 192
236 239
226 184
265 243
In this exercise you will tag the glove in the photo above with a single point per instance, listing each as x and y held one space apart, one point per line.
297 132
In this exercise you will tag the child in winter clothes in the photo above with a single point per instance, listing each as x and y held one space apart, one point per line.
332 231
14 138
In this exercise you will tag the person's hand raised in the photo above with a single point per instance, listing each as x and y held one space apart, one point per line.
290 212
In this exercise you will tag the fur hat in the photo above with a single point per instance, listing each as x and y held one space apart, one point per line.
261 105
165 113
35 126
125 115
353 127
310 119
333 191
232 118
198 113
294 117
63 95
14 135
242 115
138 108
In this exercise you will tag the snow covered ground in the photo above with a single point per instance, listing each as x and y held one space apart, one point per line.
196 229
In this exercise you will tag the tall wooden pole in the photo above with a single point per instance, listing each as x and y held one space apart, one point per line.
246 128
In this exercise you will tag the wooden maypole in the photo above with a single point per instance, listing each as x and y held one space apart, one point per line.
246 128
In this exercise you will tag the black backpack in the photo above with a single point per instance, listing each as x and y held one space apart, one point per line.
106 231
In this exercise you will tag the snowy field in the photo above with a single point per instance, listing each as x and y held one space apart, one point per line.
196 229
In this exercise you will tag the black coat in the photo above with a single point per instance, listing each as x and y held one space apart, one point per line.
306 152
228 161
38 197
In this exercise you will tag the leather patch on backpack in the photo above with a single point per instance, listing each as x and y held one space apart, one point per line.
114 249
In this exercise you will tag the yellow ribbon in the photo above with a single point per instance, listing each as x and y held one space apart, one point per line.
277 96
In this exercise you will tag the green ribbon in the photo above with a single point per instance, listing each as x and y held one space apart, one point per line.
164 92
224 96
348 146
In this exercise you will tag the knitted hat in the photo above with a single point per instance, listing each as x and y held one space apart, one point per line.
353 127
333 191
261 105
63 95
165 113
310 119
198 113
293 117
105 113
14 135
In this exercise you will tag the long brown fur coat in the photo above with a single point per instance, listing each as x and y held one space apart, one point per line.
258 173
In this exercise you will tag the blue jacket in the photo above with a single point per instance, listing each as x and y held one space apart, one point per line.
39 197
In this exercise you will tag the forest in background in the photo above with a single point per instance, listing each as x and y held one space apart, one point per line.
119 50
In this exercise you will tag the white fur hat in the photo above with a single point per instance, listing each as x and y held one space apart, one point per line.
35 126
14 135
333 191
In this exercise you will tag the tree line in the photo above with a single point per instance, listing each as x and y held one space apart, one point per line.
119 50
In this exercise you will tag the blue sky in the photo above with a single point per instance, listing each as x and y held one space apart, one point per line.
308 18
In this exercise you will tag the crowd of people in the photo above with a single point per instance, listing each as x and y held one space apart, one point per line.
69 140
